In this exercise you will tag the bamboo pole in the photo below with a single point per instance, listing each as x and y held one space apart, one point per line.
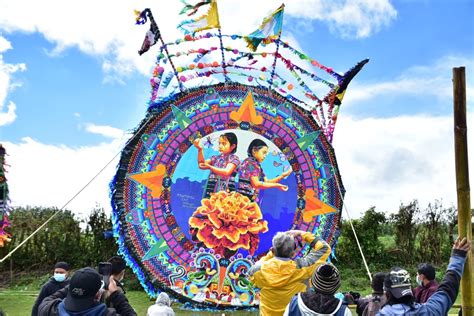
462 185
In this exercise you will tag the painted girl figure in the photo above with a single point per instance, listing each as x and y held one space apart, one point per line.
251 175
223 167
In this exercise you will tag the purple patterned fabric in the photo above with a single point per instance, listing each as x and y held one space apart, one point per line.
218 183
250 167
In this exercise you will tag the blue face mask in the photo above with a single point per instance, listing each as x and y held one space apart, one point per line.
59 277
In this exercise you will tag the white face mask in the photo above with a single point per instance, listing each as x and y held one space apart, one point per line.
419 281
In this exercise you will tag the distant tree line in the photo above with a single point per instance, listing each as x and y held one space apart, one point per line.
80 242
410 236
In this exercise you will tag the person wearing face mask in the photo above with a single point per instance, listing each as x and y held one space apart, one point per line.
58 281
427 284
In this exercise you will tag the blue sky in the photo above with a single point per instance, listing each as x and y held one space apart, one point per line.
72 86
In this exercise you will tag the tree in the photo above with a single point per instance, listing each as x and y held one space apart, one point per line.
60 240
98 247
406 230
368 229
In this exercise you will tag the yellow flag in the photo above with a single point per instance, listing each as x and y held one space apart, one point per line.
208 21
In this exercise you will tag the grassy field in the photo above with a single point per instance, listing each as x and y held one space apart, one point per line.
19 303
19 298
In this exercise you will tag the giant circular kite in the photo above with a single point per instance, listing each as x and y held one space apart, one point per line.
215 169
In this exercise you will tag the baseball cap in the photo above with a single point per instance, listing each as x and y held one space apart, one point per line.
84 285
398 283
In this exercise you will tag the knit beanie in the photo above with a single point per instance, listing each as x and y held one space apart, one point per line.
326 279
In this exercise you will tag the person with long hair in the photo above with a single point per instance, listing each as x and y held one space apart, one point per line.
223 167
251 176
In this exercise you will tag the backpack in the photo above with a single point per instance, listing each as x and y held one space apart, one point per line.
374 305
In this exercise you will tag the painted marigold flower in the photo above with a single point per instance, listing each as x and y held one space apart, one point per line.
227 222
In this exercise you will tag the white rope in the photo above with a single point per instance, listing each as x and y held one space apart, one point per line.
58 211
353 229
71 199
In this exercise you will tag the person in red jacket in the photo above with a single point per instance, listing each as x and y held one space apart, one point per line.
427 284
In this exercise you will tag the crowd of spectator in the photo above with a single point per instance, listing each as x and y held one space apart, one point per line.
305 286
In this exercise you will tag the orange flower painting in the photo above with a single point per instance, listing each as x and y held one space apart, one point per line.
227 222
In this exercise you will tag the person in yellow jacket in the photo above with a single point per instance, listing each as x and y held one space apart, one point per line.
279 277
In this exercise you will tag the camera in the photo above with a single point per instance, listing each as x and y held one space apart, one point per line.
298 242
105 269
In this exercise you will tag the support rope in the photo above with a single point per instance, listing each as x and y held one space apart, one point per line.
57 212
353 229
69 201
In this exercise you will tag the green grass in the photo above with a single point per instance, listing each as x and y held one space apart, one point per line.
388 241
19 303
19 298
16 303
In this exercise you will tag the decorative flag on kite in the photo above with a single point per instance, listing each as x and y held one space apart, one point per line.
193 8
208 21
152 35
336 96
4 236
269 29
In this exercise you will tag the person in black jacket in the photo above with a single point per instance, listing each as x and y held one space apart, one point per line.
82 298
58 281
371 304
117 272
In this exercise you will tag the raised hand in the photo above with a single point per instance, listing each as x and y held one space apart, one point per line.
295 232
462 244
112 285
197 143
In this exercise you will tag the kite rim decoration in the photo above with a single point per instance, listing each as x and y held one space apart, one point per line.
118 190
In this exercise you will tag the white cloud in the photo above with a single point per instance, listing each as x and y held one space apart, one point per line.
63 172
385 162
6 84
4 44
348 18
104 130
424 80
9 116
106 28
